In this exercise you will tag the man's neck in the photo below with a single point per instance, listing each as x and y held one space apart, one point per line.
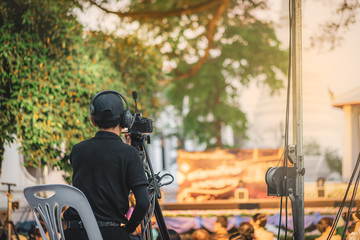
116 130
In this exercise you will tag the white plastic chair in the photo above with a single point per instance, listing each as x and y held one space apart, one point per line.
50 209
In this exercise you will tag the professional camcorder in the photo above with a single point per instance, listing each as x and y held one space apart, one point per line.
139 128
141 124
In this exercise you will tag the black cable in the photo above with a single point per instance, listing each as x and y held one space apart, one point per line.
345 197
150 213
286 127
155 182
281 201
349 213
351 203
287 119
344 200
284 152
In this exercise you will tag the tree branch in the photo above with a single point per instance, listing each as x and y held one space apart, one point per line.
332 32
142 15
211 28
210 37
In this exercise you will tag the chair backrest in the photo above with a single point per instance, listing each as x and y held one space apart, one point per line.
50 209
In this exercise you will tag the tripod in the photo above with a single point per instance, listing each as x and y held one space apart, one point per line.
138 141
9 223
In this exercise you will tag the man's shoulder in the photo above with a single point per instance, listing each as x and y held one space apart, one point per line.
116 144
130 149
82 143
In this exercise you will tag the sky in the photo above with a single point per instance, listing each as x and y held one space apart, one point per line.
339 69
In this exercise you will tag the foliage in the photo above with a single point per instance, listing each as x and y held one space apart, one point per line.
312 148
213 92
42 90
49 71
139 68
214 48
334 160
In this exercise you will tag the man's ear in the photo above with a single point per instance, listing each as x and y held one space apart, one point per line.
92 120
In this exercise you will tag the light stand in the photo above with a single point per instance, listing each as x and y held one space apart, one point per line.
296 60
289 181
9 223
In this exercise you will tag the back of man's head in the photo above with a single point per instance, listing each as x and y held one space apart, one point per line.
108 109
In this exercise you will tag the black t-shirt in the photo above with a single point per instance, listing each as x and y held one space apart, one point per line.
105 169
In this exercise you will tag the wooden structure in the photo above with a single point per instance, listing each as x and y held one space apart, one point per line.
350 103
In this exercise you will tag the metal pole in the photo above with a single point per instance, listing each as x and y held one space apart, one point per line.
298 212
294 43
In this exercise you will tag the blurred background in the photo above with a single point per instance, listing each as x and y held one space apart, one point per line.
211 74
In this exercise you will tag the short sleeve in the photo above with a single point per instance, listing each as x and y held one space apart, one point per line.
135 174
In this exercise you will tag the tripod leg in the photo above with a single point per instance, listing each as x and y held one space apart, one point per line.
160 221
14 229
295 202
143 233
9 229
149 229
2 232
145 228
157 210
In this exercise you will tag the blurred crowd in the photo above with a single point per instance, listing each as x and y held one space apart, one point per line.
255 229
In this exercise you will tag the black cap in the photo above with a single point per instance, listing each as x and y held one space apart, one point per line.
108 107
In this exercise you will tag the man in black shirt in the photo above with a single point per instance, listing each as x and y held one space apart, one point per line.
105 169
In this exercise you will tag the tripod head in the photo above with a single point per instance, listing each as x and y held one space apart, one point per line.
137 140
9 186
